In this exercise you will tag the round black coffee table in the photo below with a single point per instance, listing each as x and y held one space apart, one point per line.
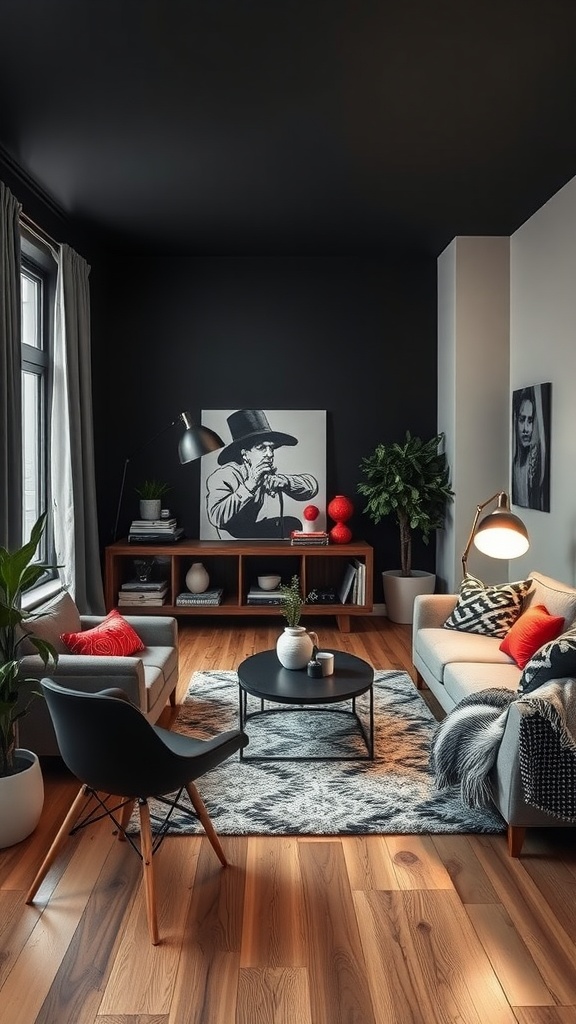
263 676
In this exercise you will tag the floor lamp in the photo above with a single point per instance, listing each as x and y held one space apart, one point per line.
501 534
195 442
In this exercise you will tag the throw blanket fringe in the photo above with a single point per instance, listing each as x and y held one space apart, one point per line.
465 745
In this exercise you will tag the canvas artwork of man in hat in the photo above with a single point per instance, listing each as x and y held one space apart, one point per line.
245 496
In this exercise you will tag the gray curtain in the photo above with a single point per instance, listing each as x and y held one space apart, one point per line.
73 476
11 483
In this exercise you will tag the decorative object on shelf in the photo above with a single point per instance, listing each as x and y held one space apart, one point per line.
310 515
195 442
501 534
295 645
270 582
143 569
197 578
151 493
21 786
410 481
308 537
340 509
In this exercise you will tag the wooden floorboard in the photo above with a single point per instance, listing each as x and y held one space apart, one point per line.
297 930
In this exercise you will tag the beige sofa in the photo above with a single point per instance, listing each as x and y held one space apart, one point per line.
454 664
149 677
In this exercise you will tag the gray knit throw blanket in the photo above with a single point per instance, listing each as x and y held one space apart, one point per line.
465 746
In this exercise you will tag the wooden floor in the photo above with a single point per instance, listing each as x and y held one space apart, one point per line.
358 930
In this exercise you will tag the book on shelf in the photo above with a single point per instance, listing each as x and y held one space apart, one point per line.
142 595
348 580
156 537
313 537
142 601
360 596
211 596
153 524
148 585
265 599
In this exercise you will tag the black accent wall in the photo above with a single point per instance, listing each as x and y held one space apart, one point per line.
354 337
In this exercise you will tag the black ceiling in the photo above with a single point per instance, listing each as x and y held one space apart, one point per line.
308 127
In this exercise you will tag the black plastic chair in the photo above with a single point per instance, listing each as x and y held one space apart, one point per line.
109 745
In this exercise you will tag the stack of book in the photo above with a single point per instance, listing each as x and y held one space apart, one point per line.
258 596
208 597
135 592
154 531
353 587
310 537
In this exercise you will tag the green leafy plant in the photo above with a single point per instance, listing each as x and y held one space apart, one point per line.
18 574
151 490
410 481
293 600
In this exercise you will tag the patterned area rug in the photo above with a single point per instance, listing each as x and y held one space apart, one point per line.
394 794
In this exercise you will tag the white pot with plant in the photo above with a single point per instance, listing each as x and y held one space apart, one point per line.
295 645
151 493
410 481
21 785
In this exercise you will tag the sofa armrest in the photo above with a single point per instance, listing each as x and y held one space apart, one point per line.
432 610
92 673
153 630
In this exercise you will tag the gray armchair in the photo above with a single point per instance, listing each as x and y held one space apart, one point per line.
149 678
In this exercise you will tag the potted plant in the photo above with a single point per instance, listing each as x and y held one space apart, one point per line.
151 493
295 645
21 787
410 481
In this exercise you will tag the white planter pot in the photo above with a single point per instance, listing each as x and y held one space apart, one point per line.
150 508
400 591
21 800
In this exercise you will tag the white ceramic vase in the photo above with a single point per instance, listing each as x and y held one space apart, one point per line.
21 800
197 578
294 647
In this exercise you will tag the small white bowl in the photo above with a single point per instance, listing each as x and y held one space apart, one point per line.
269 582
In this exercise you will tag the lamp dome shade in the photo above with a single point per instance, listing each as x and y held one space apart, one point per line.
196 441
502 535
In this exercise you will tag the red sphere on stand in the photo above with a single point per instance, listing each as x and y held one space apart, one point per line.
311 512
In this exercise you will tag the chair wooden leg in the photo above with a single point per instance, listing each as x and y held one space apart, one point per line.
419 681
198 805
148 870
172 697
516 836
58 842
125 816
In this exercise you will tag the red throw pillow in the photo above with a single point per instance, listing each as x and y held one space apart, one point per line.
532 629
113 636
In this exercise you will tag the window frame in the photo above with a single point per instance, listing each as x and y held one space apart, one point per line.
38 263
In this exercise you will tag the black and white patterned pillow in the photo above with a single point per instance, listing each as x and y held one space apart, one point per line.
554 660
488 610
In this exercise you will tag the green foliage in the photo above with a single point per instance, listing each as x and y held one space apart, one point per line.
410 481
293 600
151 490
17 575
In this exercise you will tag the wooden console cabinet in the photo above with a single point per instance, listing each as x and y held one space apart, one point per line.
235 566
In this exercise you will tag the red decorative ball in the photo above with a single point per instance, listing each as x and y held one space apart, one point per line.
340 508
340 534
311 512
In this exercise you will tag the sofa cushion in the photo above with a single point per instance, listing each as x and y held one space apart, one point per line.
439 647
113 636
50 621
462 679
558 598
532 629
554 660
488 610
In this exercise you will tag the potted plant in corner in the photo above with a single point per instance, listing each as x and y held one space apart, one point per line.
410 481
21 785
151 493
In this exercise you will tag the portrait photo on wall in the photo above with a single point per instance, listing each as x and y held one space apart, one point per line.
272 466
531 447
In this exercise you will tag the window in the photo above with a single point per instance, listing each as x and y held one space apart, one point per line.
38 282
